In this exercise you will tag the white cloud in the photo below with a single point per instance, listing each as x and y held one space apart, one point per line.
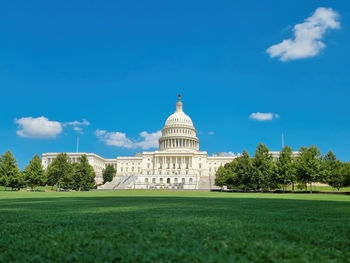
261 116
149 140
84 122
119 139
77 125
38 128
228 154
307 41
231 154
211 133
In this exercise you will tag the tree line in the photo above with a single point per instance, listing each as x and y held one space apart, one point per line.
262 173
61 173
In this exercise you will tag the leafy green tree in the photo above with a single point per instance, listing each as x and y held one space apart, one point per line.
332 171
83 175
329 163
60 172
221 177
338 175
346 173
34 174
262 167
244 171
232 180
10 175
108 174
284 168
308 166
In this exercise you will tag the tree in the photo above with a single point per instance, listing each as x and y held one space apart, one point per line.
232 180
10 175
308 165
34 173
83 175
332 171
244 171
262 166
221 177
60 171
284 170
108 174
328 166
346 172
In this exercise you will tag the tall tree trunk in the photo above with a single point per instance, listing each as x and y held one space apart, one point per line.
292 187
310 187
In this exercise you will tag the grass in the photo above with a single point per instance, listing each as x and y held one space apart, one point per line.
166 226
289 188
322 188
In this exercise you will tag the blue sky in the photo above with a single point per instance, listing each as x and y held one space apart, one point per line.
120 65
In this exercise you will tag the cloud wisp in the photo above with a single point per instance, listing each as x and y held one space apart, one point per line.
228 154
308 36
76 125
261 116
119 139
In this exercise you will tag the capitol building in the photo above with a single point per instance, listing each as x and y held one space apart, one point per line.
177 164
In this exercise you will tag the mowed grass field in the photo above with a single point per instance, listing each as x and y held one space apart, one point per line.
167 226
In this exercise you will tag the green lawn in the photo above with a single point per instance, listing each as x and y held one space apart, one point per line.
166 226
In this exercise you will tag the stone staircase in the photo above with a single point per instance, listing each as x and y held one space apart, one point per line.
206 183
122 182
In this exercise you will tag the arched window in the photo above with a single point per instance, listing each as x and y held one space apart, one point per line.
146 180
176 181
191 181
183 180
154 180
161 180
168 180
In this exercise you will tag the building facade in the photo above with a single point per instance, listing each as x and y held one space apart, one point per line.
177 164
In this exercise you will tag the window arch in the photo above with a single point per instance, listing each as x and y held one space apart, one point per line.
146 180
191 181
183 180
168 180
154 180
161 180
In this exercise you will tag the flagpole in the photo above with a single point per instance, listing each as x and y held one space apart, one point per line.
77 143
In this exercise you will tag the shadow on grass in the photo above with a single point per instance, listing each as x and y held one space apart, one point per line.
173 229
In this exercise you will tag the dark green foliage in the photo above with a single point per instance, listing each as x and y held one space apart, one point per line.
262 168
221 176
334 171
284 168
308 166
83 175
167 226
10 175
60 172
244 171
346 172
34 174
108 174
263 173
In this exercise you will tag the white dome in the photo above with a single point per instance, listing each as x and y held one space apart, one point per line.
178 132
179 118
